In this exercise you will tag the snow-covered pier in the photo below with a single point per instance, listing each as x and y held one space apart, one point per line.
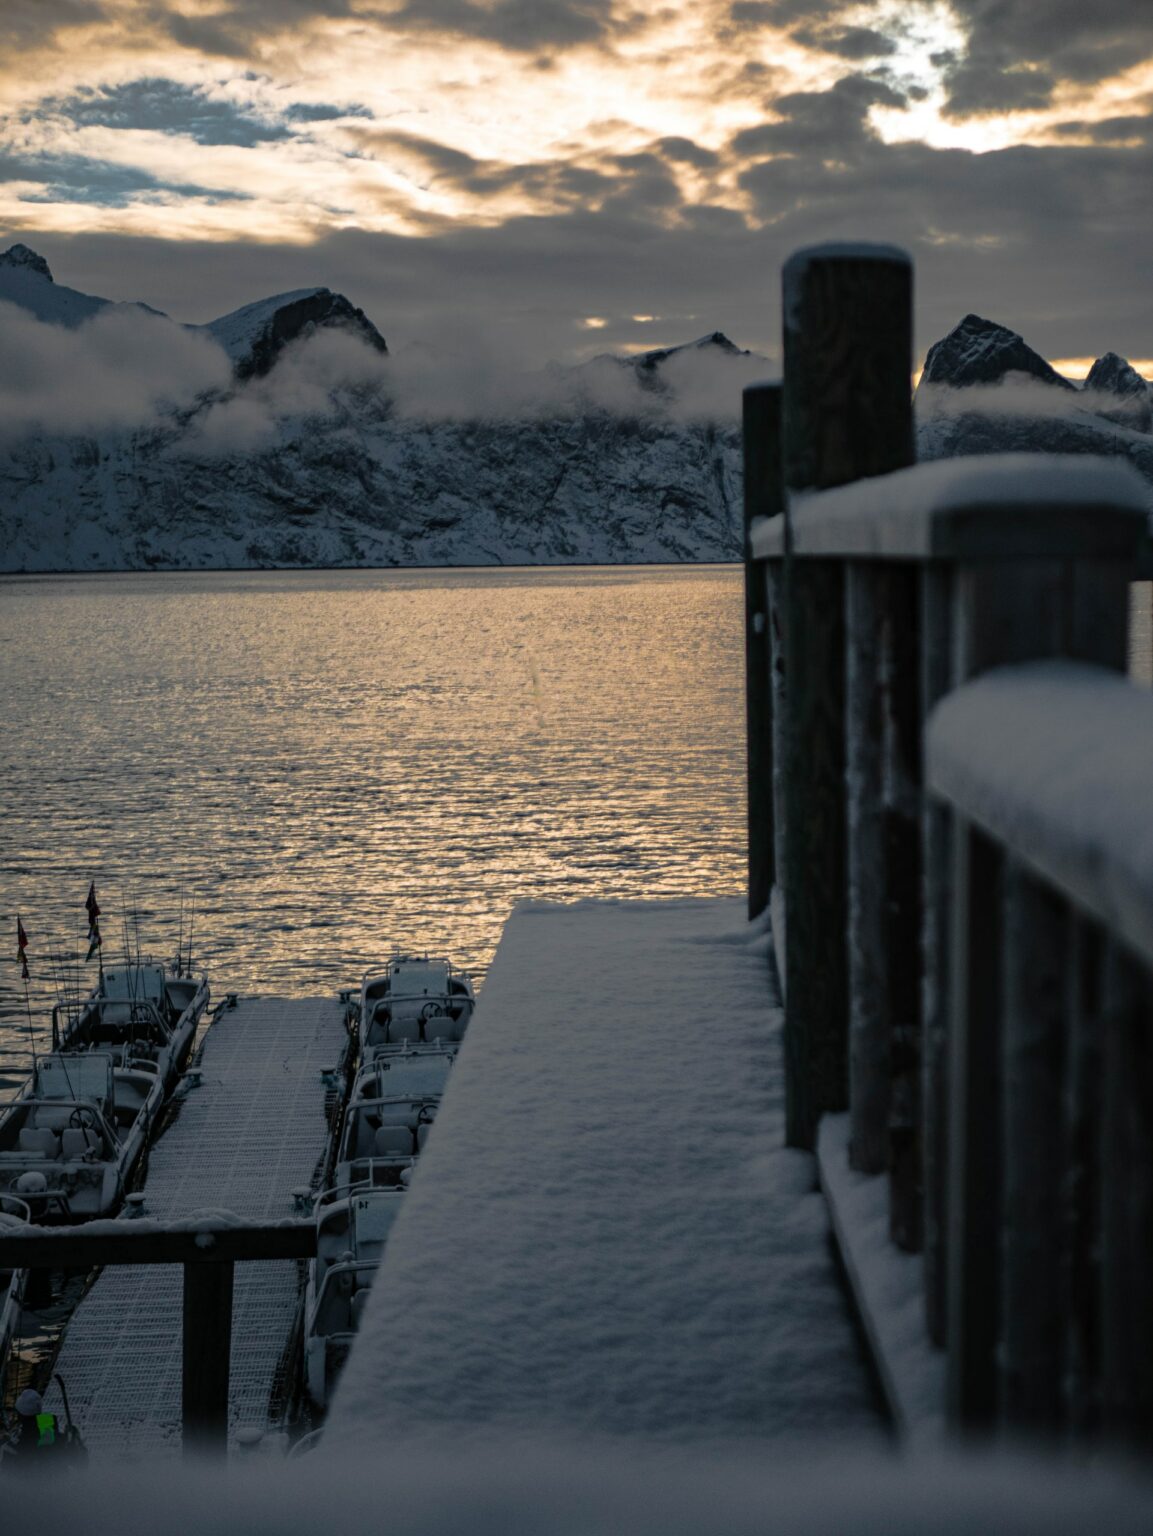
606 1234
251 1133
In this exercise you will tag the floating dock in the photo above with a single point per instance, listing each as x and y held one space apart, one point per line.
251 1133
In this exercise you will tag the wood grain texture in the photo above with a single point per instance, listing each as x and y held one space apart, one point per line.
762 498
847 413
1037 948
974 1172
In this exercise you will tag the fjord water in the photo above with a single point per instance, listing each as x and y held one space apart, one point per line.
332 764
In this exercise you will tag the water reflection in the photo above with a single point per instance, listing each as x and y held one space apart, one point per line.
330 764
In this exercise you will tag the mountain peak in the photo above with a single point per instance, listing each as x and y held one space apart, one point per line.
1115 375
978 351
255 335
23 256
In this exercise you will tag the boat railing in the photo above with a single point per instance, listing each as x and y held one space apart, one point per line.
368 1176
119 1013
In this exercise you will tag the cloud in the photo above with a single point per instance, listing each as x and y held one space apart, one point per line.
816 122
486 377
1019 50
309 381
522 26
116 371
32 23
238 30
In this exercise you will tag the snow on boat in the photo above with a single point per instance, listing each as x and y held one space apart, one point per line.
410 1018
70 1141
142 1015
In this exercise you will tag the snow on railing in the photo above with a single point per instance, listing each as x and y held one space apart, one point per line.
875 589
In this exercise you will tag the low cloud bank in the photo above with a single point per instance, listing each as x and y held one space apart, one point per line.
121 370
128 370
1018 396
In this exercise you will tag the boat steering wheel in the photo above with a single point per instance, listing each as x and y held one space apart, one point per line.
82 1120
430 1011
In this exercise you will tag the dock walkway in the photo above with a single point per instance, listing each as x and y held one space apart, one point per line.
606 1234
243 1141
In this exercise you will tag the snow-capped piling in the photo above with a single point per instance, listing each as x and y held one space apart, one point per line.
847 414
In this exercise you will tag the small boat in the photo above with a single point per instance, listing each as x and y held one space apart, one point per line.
142 1015
410 1019
71 1139
352 1226
13 1215
416 1000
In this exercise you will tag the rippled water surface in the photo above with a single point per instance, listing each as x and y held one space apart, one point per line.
332 764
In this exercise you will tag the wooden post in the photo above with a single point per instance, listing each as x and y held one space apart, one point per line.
775 576
1036 996
762 498
974 1176
902 896
936 840
847 414
869 1046
207 1357
1081 1200
1127 1204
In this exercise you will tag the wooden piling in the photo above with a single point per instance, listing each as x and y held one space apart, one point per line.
1037 945
207 1357
1081 1121
762 498
936 602
974 1173
847 413
1127 1204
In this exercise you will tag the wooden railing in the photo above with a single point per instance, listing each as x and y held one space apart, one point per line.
954 974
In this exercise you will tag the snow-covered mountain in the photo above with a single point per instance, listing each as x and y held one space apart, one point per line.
303 450
984 390
285 434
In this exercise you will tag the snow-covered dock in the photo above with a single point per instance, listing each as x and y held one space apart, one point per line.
606 1235
251 1133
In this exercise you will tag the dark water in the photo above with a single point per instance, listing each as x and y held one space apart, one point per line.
323 766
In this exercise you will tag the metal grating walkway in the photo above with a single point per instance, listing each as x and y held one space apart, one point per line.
243 1141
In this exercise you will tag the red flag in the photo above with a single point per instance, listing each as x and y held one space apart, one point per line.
21 948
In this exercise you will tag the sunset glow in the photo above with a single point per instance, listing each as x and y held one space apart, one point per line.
244 124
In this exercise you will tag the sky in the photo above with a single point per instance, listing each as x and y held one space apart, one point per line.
557 178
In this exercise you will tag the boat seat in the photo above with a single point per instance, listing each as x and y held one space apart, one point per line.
422 1131
116 1013
394 1141
77 1142
43 1143
52 1119
403 1029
